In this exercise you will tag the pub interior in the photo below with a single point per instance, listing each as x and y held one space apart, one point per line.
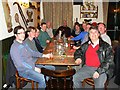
62 20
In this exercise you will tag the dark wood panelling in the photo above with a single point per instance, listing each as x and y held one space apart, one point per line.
113 18
5 48
6 43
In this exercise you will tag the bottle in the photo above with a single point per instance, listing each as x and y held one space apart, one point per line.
66 44
60 32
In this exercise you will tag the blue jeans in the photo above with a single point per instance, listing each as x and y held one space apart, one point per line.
87 72
35 76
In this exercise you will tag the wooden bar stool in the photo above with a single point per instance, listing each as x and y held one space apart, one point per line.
58 78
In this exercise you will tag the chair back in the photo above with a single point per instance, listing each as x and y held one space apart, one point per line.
12 76
58 73
10 71
90 82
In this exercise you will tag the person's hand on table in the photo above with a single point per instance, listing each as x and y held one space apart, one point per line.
47 41
69 38
78 61
49 55
37 69
46 55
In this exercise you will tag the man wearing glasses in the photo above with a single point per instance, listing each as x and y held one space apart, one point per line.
22 57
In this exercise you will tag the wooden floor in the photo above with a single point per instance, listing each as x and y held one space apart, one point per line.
111 86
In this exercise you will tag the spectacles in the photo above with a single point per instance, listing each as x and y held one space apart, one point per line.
21 33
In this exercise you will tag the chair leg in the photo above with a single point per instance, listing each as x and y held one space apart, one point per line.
106 84
37 85
71 82
51 83
83 83
22 82
64 83
57 82
17 83
32 85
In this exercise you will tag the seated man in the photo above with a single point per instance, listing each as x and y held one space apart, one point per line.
31 43
97 59
64 29
49 29
29 40
43 37
23 58
32 39
103 31
37 42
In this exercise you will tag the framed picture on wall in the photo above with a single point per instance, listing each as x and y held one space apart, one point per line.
7 16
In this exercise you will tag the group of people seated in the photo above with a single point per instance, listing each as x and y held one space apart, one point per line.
92 44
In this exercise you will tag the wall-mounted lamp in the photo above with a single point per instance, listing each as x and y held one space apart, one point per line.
24 3
116 10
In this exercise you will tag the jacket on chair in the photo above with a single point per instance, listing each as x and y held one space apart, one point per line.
117 66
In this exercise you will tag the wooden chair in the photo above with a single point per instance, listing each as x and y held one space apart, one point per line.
12 74
90 82
58 78
21 79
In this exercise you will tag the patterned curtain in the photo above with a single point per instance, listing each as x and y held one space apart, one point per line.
56 12
105 12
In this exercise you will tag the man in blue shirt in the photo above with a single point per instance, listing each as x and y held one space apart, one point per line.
23 58
82 36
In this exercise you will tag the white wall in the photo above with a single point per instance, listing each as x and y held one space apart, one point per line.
76 12
3 27
13 9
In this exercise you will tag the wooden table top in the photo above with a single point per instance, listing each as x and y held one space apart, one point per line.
66 59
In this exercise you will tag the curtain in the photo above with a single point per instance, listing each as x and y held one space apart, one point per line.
105 12
57 12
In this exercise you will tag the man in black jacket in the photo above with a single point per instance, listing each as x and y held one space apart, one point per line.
64 29
96 57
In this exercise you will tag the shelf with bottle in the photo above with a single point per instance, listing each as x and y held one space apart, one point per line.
89 15
88 11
